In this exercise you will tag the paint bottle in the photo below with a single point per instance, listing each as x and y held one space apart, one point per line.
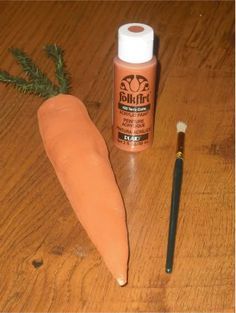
134 88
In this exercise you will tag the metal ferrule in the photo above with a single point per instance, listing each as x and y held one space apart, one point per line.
179 155
180 146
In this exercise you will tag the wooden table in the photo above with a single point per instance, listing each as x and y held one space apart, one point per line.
47 262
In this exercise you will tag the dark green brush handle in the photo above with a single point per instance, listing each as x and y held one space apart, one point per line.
176 189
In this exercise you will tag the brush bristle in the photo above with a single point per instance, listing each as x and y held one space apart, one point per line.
181 127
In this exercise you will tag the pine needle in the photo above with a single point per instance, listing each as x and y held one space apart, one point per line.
32 71
38 83
31 87
56 53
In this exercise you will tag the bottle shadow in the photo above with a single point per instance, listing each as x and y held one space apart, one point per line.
158 74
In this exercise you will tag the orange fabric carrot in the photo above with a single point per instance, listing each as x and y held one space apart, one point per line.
80 158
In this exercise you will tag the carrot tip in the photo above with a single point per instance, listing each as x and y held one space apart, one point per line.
121 281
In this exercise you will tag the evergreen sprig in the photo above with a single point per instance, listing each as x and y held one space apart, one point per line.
56 53
31 87
38 83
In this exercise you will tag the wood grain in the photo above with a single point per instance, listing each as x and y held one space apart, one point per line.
47 262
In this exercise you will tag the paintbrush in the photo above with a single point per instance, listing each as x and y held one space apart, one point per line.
175 198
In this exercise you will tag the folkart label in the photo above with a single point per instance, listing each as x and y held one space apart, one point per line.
134 94
134 107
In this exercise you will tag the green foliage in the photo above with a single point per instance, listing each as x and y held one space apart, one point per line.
31 87
38 83
56 54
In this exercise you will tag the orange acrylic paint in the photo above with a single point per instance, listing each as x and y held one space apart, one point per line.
134 88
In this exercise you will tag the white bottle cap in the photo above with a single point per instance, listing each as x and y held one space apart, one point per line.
135 43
